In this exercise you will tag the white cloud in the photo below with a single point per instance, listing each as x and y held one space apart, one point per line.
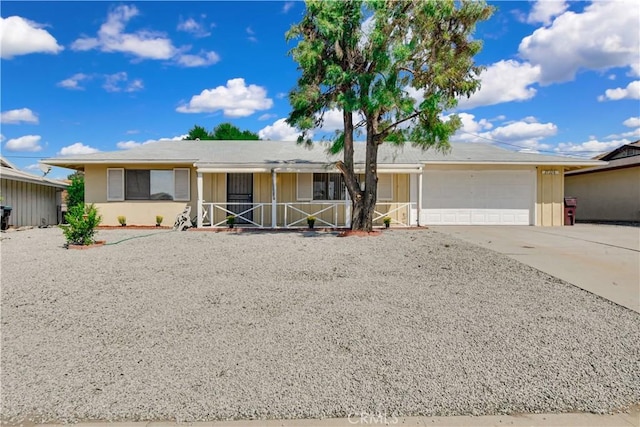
469 124
332 121
287 6
203 59
2 137
21 115
111 38
144 44
119 82
19 36
127 145
236 99
280 131
526 134
73 82
590 148
77 148
24 143
632 91
267 116
543 11
504 81
632 122
251 35
197 29
634 134
603 36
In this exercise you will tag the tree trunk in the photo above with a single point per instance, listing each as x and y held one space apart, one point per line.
364 207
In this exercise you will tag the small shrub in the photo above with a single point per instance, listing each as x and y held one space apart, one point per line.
82 221
231 219
159 219
386 220
122 220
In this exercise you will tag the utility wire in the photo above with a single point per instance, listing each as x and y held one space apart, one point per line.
528 148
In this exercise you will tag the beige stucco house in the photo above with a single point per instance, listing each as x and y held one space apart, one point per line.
35 200
608 192
277 184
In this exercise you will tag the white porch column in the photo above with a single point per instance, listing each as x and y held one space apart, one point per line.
347 209
274 199
419 210
200 200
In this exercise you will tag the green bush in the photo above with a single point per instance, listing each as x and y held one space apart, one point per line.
75 191
82 222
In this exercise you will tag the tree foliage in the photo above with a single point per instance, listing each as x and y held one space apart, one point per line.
198 133
398 65
222 132
75 191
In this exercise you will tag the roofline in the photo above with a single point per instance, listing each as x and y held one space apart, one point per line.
81 162
196 163
603 169
521 163
33 180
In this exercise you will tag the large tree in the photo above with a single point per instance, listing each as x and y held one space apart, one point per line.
222 132
394 65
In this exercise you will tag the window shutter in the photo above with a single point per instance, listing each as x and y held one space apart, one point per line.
385 187
181 184
115 184
305 186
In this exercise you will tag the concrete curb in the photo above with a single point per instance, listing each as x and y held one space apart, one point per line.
630 419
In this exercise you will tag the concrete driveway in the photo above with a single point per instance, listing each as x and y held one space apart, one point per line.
602 259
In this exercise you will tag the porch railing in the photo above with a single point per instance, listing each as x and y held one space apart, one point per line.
248 213
294 214
326 214
400 213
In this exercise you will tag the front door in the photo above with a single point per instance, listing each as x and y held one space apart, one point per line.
240 195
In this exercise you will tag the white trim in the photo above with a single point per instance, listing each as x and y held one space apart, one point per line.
175 195
304 198
122 189
516 163
274 199
199 182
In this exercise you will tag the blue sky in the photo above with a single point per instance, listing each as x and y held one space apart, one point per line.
77 77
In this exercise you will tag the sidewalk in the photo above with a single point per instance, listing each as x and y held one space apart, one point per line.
631 419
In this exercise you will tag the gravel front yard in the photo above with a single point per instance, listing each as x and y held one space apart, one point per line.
202 326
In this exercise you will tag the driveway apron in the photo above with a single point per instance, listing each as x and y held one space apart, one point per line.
602 259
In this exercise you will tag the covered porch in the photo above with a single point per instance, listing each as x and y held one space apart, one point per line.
285 197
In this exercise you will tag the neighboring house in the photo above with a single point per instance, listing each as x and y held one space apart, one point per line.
609 192
278 184
35 200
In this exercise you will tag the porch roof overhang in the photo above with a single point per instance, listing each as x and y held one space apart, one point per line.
298 168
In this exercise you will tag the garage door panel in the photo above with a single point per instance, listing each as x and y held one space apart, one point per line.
478 197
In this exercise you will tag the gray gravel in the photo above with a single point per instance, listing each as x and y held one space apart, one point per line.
202 326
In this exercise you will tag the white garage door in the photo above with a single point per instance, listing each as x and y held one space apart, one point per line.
478 197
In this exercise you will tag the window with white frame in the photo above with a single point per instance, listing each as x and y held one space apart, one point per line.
328 186
148 184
